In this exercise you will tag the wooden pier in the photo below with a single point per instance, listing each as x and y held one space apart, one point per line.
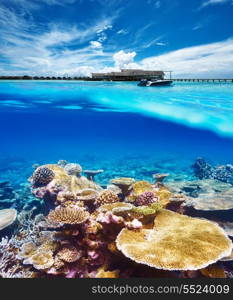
204 80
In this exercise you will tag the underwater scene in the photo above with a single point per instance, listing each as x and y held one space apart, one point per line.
112 180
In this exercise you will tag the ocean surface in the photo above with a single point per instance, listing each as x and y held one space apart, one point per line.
125 129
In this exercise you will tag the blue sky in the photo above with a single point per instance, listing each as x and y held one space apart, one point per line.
194 38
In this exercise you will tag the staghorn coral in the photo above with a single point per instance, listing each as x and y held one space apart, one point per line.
176 242
7 217
69 254
10 265
106 197
42 176
68 215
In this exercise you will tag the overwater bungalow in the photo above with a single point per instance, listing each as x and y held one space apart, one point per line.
128 75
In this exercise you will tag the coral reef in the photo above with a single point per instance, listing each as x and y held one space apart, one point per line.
42 176
205 194
145 198
106 197
176 242
68 215
204 170
124 228
73 169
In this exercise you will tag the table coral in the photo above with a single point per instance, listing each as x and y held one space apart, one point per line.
41 260
7 217
176 242
68 215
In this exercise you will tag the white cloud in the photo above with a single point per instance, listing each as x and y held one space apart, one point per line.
55 50
213 2
156 3
198 26
122 59
210 60
122 31
96 45
29 49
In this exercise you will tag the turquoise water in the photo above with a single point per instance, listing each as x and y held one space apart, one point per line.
117 126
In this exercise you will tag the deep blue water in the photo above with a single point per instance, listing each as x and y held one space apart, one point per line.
98 123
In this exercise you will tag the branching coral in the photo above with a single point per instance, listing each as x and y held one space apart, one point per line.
106 197
146 198
68 215
176 242
69 254
10 266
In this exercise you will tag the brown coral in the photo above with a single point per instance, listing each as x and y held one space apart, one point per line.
213 271
42 260
73 169
65 196
107 274
106 197
69 254
42 176
140 187
124 183
68 215
164 196
87 195
27 250
176 242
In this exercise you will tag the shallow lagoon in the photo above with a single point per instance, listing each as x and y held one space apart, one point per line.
43 121
129 132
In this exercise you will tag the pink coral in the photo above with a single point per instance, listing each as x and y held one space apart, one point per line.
145 198
110 218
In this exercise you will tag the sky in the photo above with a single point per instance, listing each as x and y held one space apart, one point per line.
193 38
